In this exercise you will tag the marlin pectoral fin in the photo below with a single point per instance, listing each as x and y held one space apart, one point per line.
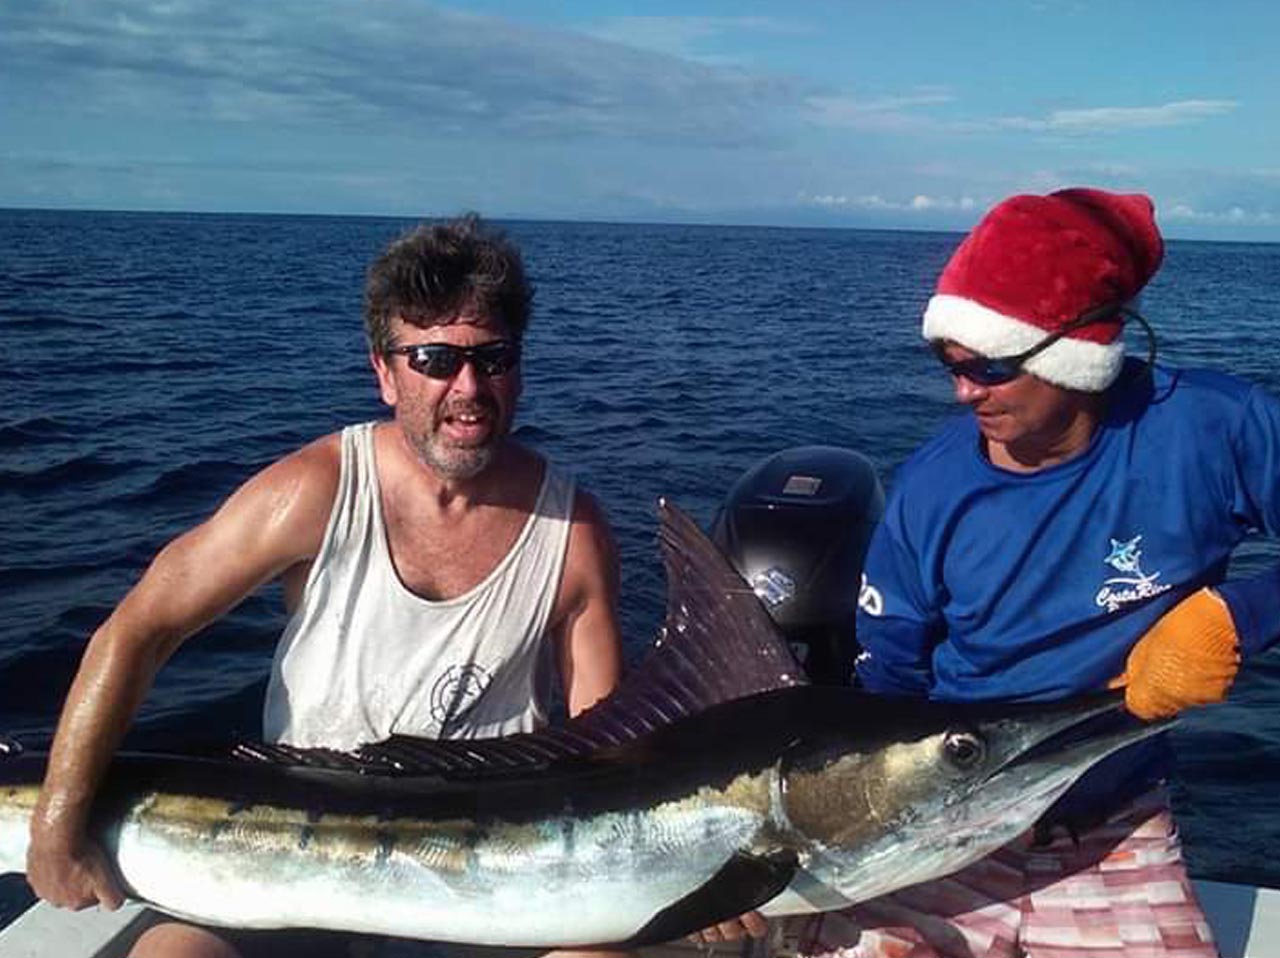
745 882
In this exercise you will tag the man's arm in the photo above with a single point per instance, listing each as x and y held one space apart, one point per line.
589 638
1255 602
1190 657
897 628
274 521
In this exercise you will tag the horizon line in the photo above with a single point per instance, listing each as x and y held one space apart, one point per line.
601 221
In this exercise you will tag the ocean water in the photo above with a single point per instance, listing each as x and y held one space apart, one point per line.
153 362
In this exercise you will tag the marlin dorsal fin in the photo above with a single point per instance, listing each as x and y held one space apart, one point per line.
716 644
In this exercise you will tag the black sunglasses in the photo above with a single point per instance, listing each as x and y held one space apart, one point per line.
443 360
998 370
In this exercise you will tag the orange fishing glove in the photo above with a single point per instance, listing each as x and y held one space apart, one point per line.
1189 657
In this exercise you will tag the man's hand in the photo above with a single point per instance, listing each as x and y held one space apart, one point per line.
71 875
1189 657
752 924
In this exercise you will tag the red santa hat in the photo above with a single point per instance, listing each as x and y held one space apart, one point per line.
1034 264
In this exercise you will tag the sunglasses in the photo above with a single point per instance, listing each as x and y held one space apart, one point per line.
983 370
998 370
444 360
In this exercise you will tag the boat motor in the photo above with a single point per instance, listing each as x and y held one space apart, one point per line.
796 526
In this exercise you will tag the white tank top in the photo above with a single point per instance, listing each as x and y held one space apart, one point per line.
363 657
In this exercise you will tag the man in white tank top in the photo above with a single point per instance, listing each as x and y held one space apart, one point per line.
436 570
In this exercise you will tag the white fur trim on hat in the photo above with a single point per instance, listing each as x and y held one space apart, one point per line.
1073 363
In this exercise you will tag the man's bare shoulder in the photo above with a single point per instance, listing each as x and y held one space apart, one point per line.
592 552
306 474
587 510
286 505
319 460
273 522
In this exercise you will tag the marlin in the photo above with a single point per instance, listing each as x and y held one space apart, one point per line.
713 782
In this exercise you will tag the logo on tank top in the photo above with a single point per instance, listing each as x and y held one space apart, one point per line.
1133 585
454 694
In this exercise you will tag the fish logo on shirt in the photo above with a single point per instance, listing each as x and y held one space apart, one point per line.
1133 585
1125 555
455 692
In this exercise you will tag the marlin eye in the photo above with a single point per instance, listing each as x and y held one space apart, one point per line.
964 749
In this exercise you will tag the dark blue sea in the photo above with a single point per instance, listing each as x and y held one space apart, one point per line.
153 362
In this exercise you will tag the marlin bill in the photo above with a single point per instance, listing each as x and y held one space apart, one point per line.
713 782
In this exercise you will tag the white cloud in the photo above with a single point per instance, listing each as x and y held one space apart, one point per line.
907 113
919 203
875 113
1229 216
385 64
1111 119
1112 171
686 36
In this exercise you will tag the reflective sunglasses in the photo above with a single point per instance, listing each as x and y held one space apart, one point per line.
444 360
998 370
983 370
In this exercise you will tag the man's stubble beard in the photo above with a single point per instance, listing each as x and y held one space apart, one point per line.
456 462
459 462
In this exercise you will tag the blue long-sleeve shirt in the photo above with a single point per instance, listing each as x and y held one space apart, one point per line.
984 584
987 584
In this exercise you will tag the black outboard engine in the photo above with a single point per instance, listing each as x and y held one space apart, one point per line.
796 526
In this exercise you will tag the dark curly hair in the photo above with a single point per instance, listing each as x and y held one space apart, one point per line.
431 275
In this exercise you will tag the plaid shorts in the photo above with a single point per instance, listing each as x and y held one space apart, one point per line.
1118 890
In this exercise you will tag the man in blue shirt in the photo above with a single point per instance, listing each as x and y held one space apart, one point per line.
1071 531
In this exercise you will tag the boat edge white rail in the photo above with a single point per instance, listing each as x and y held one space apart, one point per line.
43 930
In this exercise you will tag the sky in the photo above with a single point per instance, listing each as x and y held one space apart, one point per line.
917 114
